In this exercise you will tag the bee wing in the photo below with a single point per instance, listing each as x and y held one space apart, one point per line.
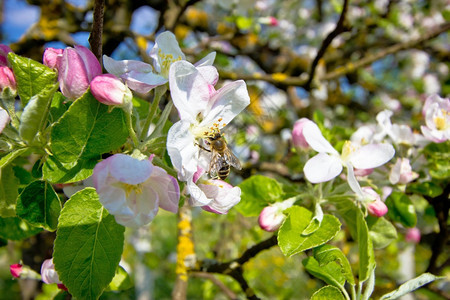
216 164
232 159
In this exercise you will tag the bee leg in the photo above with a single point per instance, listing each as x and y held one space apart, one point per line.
203 148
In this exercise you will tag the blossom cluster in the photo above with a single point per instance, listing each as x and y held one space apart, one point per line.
371 146
132 189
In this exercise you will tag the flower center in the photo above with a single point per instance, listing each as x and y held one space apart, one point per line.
441 120
166 60
348 149
208 132
130 188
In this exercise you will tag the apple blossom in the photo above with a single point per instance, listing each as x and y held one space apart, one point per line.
202 110
271 217
52 57
212 195
436 111
4 50
48 272
413 235
4 119
109 90
7 79
132 189
76 69
377 208
401 172
142 77
16 270
298 139
328 163
367 195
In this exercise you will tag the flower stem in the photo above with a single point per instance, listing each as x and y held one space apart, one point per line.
159 91
133 135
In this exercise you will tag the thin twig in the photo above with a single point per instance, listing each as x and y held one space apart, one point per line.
280 79
340 28
229 293
95 39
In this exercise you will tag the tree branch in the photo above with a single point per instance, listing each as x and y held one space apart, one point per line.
280 79
340 28
229 293
95 38
233 268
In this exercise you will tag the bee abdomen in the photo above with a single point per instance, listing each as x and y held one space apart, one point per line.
223 172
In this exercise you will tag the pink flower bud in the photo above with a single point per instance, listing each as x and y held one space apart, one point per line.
273 21
412 235
77 68
4 50
271 217
363 172
48 272
298 139
7 79
16 270
52 57
109 90
377 208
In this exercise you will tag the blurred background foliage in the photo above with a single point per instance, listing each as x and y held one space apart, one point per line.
386 54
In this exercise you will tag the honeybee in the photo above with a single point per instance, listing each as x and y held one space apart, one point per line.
221 157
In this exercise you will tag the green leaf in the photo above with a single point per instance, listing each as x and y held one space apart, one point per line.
16 229
290 237
87 129
328 292
401 209
35 114
58 107
366 254
381 231
88 245
121 280
32 77
8 158
330 272
411 285
39 205
325 254
8 192
57 172
256 193
429 189
243 23
438 158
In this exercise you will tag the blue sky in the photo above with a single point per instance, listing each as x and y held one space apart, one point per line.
19 16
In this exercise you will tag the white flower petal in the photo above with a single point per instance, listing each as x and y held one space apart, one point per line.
189 90
182 149
208 60
227 103
120 67
4 119
352 182
316 140
167 189
210 74
129 170
223 195
372 156
143 82
198 197
166 50
322 167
